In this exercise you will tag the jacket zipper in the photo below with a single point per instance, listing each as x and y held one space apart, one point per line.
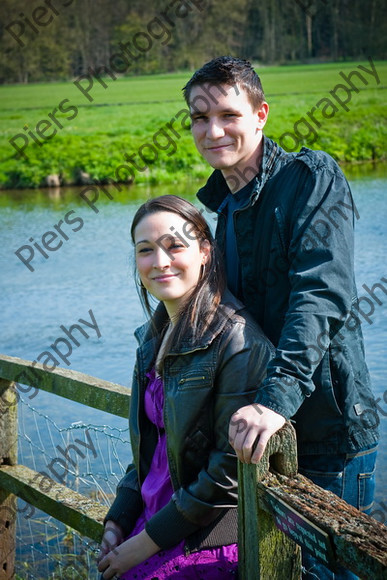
182 381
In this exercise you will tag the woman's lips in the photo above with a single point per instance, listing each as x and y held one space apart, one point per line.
164 277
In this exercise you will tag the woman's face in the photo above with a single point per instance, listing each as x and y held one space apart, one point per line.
168 259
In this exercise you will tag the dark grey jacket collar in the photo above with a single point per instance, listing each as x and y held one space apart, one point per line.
214 193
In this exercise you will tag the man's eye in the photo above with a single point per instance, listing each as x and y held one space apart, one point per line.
198 118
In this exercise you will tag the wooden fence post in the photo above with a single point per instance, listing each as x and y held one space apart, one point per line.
265 553
8 456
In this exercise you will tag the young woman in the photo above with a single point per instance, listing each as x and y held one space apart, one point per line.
200 358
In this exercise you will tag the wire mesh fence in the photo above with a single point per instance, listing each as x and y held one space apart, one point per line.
88 458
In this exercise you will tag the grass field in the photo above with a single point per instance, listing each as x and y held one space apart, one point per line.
63 129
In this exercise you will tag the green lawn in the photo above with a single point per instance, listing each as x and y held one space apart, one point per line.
126 114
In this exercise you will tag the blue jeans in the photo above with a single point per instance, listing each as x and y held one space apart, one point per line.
350 476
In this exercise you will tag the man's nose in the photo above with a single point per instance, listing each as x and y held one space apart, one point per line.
215 129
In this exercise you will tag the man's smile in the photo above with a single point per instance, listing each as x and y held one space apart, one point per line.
218 147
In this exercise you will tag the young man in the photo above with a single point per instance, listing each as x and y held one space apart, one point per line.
285 227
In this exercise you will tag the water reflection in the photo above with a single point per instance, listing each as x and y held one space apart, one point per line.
63 196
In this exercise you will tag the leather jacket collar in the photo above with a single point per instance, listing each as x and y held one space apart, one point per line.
150 332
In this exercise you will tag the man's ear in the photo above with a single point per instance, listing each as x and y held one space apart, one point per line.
263 113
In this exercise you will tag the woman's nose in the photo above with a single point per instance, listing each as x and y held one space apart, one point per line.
161 259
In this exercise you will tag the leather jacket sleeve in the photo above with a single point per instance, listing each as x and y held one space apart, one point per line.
127 505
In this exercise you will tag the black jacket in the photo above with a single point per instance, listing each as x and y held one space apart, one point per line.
204 383
295 247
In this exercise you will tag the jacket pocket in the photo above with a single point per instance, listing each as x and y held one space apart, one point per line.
197 379
329 381
281 228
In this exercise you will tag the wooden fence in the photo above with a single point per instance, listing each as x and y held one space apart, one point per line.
279 510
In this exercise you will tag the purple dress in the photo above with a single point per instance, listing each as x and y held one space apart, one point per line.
156 491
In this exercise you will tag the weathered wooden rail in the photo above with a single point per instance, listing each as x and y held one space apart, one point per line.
275 501
278 508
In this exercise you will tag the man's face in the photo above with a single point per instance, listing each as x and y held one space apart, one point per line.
226 129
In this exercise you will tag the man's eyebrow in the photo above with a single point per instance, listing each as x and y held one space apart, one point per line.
225 110
229 110
197 112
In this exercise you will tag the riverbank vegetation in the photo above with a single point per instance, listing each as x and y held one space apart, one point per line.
81 133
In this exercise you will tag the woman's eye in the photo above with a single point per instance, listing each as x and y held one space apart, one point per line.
144 250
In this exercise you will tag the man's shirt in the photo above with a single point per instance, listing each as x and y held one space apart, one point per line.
235 201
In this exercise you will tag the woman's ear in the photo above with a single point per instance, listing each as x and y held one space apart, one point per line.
205 248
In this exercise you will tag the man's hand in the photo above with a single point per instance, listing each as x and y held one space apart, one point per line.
127 555
112 537
246 425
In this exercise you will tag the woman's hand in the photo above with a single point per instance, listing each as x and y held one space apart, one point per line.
127 555
112 537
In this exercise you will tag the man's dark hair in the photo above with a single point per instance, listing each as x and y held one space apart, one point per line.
227 70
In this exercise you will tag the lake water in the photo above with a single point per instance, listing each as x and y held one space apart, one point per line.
93 270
